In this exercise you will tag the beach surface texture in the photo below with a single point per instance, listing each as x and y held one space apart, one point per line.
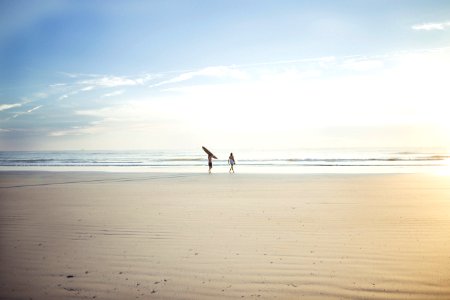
94 235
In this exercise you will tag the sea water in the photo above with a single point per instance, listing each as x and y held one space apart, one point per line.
349 160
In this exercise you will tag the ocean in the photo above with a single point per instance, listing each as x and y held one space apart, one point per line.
349 160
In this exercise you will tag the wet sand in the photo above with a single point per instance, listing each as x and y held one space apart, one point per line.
199 236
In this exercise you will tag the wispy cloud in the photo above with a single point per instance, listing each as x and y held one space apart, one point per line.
108 81
88 88
67 95
9 106
59 133
90 82
77 130
213 71
27 111
99 127
57 85
431 26
78 75
318 60
115 81
363 64
129 112
112 94
40 95
34 108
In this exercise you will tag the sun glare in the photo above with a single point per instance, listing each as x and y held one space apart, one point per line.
444 170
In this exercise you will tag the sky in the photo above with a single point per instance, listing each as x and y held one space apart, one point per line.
116 75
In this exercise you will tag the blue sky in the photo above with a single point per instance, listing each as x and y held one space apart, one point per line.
175 74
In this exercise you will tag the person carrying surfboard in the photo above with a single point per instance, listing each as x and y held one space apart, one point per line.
210 158
210 163
231 162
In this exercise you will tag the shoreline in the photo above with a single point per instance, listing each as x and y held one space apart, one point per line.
240 169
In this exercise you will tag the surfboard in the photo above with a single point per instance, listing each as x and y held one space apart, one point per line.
209 152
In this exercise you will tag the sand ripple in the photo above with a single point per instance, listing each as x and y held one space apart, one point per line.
311 237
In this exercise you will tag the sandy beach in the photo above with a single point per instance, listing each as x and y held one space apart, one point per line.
100 235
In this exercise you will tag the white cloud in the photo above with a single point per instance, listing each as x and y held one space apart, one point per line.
76 131
41 95
33 109
363 64
318 60
109 81
59 133
115 81
112 94
27 111
9 106
78 75
57 85
114 121
131 111
431 26
88 88
89 82
73 93
214 71
4 130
